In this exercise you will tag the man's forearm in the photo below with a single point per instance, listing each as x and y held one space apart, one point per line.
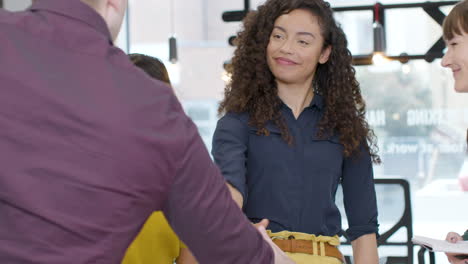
201 210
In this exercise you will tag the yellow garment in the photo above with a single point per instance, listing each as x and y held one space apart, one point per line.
156 243
301 258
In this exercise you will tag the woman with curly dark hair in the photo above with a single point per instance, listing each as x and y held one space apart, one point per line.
294 128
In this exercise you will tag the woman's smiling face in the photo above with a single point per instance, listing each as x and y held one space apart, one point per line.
295 48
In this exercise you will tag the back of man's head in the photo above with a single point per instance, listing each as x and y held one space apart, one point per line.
113 12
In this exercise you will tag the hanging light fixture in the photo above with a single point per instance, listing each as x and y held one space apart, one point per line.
173 49
431 8
379 36
173 58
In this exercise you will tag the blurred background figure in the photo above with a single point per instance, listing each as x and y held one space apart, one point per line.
156 242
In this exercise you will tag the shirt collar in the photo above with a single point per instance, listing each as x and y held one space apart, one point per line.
317 101
74 9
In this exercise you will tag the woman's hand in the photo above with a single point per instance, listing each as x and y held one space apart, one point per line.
453 237
186 257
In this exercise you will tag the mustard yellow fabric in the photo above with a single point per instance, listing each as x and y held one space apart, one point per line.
301 258
156 243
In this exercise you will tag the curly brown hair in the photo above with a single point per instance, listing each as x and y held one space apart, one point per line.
253 87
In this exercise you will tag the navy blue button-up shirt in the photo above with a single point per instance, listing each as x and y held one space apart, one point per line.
294 186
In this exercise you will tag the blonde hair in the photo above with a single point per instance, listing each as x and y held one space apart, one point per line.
457 21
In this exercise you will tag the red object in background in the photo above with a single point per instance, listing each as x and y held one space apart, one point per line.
463 176
463 181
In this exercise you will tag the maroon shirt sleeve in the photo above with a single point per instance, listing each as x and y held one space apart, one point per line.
90 146
200 209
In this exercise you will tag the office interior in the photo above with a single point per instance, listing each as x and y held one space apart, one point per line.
420 121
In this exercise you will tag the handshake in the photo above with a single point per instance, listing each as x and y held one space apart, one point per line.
454 258
279 256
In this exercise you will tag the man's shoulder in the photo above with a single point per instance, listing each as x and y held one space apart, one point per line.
14 22
3 13
138 82
6 16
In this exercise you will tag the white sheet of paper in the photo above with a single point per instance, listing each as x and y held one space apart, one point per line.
439 245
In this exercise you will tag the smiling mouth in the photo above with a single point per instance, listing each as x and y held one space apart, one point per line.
284 61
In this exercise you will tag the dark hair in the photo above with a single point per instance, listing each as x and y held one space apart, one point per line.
457 21
253 88
152 66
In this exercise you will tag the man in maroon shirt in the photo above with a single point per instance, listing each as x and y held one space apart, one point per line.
90 146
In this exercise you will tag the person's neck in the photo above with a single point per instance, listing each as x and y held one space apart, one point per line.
296 96
99 7
96 5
